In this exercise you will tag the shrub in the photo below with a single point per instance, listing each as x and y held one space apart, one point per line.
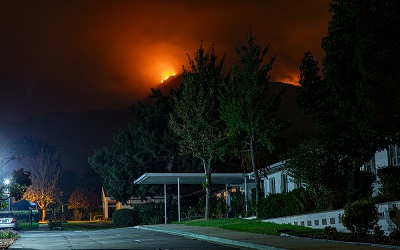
330 231
295 202
8 233
151 213
360 216
378 231
237 206
125 218
395 234
23 215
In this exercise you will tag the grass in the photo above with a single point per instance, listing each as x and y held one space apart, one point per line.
87 225
257 226
251 226
26 227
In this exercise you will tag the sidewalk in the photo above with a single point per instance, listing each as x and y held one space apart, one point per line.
256 241
43 227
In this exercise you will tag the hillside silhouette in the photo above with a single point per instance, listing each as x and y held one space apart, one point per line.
75 134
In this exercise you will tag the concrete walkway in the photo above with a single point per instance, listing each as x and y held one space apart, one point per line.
43 227
256 241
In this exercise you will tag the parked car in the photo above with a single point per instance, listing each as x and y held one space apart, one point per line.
8 220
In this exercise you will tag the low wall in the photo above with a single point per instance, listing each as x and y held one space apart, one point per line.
333 218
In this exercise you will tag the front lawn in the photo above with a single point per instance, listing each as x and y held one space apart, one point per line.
26 227
257 226
251 226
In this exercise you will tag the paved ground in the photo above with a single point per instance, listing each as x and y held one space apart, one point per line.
111 239
156 237
256 241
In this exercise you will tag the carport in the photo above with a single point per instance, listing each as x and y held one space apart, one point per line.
192 178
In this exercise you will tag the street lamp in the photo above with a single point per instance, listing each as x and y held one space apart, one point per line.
7 183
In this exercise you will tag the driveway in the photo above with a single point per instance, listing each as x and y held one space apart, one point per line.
122 238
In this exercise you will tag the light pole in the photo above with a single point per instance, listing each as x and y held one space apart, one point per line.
7 183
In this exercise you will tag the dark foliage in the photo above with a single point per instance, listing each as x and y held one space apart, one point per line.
278 205
360 216
125 217
389 178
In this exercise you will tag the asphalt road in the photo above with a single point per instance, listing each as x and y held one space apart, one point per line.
124 238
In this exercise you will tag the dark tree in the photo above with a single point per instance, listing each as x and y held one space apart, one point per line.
356 103
20 181
247 108
156 140
68 182
195 118
147 144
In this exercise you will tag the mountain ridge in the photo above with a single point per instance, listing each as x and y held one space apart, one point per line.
75 134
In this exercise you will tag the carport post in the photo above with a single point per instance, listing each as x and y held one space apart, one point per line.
179 201
245 193
165 203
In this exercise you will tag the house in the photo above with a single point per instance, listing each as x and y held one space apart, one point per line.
276 181
109 204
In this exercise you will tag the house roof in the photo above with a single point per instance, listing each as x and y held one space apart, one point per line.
191 178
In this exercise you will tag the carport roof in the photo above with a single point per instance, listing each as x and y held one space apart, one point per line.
192 178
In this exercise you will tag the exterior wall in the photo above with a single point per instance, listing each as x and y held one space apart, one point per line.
314 220
276 176
381 159
332 218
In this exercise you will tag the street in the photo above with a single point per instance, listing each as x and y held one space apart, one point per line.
122 238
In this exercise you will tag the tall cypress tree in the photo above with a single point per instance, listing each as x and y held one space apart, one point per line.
247 108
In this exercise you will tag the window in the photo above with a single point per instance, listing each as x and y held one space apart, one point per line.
369 166
394 155
284 183
272 186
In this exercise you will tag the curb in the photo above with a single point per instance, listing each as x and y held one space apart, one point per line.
209 238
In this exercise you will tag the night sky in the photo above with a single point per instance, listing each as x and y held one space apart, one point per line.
71 56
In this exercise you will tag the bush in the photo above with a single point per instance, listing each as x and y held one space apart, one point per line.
295 202
125 218
238 204
23 215
360 216
8 233
330 231
395 234
151 213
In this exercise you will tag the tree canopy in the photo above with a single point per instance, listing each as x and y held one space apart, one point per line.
247 108
195 117
147 144
45 167
356 103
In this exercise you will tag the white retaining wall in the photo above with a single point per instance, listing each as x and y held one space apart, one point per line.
332 218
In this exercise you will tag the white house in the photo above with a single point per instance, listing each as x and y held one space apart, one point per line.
276 181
